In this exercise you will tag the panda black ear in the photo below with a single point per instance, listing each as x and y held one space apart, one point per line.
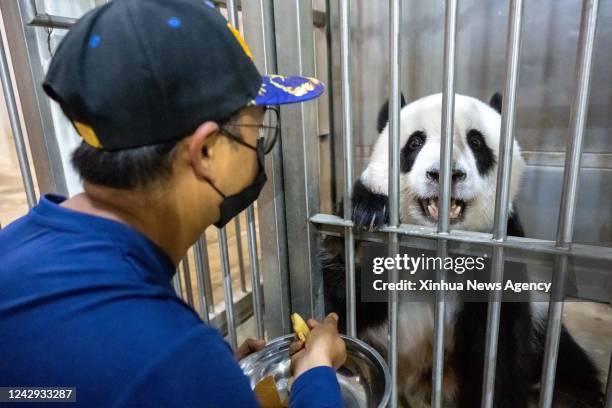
496 102
383 114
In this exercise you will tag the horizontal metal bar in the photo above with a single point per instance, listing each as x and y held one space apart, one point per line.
52 21
526 244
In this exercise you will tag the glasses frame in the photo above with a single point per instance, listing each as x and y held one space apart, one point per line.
274 131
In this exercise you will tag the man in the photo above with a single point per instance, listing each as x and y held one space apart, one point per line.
170 107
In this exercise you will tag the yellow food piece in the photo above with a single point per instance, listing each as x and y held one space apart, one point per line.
267 393
299 327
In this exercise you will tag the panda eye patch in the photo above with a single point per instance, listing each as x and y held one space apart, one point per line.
416 140
475 139
485 158
410 150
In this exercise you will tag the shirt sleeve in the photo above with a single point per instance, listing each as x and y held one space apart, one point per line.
200 371
316 388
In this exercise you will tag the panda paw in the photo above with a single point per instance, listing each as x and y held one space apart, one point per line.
370 209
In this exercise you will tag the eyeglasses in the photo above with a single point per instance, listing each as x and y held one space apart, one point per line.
269 131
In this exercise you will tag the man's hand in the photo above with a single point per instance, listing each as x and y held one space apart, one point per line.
323 347
248 347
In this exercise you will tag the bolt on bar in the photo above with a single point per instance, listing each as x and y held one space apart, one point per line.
565 230
239 251
200 256
187 281
227 287
444 197
20 145
502 193
394 136
347 130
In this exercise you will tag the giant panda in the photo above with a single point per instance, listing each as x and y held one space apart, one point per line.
522 330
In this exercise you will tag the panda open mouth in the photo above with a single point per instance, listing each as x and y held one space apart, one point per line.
429 206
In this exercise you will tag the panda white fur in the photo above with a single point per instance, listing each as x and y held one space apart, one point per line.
522 330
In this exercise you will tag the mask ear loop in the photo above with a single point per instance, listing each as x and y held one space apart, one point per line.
236 139
214 187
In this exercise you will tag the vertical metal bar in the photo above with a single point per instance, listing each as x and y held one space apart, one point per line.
330 99
347 130
500 226
179 282
238 234
202 270
232 13
255 275
208 287
187 281
20 145
444 196
513 53
259 31
301 174
608 400
25 53
565 229
395 13
176 283
227 287
251 232
448 111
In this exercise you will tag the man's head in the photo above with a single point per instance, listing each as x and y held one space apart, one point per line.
165 93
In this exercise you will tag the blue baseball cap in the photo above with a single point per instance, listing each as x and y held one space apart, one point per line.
134 73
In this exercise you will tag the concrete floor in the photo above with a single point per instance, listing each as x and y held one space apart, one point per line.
591 325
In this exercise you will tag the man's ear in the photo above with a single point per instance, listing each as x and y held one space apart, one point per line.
201 149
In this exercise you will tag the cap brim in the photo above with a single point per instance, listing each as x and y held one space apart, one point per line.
280 90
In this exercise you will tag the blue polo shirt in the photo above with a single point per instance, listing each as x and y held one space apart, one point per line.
87 302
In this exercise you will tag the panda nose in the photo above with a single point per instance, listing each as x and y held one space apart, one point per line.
457 176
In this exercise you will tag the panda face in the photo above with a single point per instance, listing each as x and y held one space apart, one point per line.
475 145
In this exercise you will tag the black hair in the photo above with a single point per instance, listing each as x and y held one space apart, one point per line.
134 169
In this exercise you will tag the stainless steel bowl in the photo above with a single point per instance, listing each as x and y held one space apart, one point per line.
364 378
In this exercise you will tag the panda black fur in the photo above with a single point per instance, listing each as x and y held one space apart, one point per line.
522 329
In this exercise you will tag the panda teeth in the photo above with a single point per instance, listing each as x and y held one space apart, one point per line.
432 207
